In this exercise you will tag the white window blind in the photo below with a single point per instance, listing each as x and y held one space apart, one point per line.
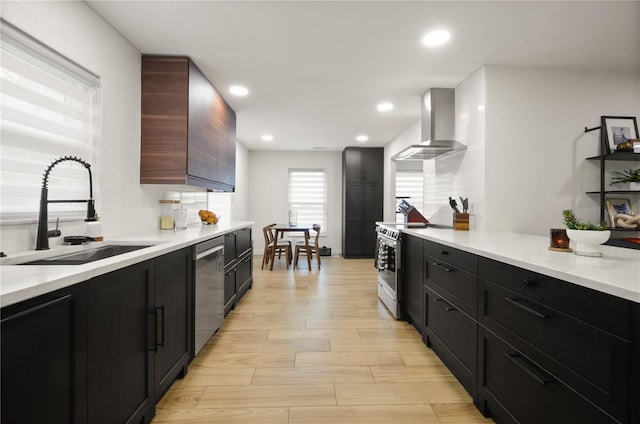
410 184
49 108
308 196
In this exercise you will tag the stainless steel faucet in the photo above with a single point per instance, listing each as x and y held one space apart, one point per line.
42 240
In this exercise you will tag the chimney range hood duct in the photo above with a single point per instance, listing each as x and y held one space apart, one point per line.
438 127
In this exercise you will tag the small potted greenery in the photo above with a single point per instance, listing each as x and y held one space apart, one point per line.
585 234
631 176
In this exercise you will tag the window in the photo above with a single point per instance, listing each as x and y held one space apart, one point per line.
409 184
49 109
308 196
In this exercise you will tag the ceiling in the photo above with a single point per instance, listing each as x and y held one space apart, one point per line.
317 70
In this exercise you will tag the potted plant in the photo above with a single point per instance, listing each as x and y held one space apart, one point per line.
586 235
631 176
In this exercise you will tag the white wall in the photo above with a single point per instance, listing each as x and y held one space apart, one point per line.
536 146
74 30
268 197
411 135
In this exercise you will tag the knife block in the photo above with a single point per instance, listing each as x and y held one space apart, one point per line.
460 221
412 215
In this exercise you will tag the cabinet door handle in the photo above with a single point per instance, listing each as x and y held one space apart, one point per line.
154 345
160 309
36 308
443 267
528 368
447 306
444 252
529 283
532 311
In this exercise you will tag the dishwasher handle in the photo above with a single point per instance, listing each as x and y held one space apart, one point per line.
209 252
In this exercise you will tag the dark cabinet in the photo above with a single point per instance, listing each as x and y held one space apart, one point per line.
362 175
238 267
580 336
188 130
122 342
44 370
413 280
173 310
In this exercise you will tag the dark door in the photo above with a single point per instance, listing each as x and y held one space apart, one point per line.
172 303
121 345
42 360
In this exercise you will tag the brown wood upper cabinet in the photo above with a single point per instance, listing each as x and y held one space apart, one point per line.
188 131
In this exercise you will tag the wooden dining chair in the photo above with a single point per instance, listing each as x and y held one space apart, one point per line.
303 247
280 246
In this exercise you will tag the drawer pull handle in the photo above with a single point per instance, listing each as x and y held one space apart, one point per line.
525 366
443 267
444 252
448 307
532 311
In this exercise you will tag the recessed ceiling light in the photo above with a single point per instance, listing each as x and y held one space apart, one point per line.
436 38
238 90
267 137
362 138
385 107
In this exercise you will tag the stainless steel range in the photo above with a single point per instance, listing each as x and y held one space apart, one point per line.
387 262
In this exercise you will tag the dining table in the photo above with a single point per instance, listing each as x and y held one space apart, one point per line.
280 229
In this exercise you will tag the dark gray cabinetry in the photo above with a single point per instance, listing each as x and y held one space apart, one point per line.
122 341
450 311
174 312
412 281
44 369
238 267
571 347
362 178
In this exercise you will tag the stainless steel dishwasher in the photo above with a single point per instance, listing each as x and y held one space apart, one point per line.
209 291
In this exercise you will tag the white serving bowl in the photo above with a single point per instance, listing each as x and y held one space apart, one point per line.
587 241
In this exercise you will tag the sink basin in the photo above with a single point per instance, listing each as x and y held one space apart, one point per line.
86 256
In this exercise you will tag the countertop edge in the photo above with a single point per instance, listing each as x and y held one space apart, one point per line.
42 279
566 263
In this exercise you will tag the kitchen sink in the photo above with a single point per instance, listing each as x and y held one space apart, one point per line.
89 255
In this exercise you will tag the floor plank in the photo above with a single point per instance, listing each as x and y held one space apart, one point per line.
268 396
384 414
311 375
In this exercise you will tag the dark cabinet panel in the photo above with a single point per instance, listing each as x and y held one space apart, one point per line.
412 280
515 389
589 359
460 286
44 360
362 170
173 294
238 266
452 335
187 128
121 346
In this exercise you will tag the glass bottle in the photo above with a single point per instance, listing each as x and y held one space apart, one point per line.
166 214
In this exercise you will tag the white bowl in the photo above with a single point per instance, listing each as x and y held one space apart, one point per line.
587 241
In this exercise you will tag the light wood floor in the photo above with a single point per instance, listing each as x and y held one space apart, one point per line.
315 347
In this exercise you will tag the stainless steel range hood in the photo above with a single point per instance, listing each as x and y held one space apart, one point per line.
438 127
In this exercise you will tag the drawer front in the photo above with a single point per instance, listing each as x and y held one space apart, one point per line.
452 335
590 360
461 287
599 309
515 389
458 258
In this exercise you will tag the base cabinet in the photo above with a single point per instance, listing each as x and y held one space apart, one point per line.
516 389
44 370
413 279
173 312
238 267
122 342
528 347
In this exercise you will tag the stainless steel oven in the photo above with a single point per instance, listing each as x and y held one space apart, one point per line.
387 262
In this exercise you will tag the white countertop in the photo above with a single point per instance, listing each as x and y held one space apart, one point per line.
617 272
22 282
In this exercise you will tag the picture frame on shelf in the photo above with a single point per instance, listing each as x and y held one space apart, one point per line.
616 207
618 129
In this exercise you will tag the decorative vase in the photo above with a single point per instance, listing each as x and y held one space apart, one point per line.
587 241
